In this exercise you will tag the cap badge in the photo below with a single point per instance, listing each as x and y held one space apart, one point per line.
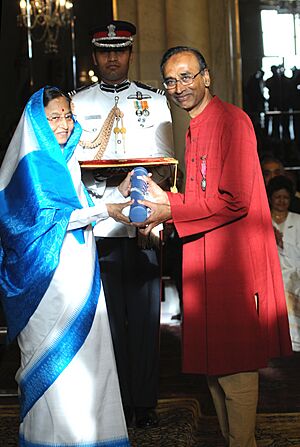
111 30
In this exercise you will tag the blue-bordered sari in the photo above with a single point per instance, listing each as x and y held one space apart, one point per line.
52 294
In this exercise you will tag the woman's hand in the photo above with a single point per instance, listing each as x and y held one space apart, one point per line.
115 211
124 186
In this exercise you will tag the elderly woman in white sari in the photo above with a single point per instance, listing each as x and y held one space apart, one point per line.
51 288
287 230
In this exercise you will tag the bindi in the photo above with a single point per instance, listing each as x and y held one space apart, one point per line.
62 110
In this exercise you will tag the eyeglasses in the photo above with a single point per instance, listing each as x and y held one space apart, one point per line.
57 119
186 79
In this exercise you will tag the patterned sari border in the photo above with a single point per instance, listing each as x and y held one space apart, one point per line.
53 362
121 442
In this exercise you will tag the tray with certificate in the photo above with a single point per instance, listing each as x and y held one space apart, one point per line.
114 170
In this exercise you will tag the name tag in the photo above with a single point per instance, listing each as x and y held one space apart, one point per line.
93 117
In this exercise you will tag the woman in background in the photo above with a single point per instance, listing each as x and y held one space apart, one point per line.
52 294
287 227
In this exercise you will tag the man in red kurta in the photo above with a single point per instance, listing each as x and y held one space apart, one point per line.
234 317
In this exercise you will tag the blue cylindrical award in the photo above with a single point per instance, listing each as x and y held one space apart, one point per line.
138 212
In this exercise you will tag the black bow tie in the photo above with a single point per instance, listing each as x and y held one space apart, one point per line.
114 88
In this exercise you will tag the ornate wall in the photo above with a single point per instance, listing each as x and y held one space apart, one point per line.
209 25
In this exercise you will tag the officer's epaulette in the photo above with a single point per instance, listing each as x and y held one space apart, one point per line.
80 89
149 87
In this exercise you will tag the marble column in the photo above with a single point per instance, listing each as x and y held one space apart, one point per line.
150 41
127 10
187 24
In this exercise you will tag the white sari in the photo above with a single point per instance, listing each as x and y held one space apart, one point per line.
290 266
53 299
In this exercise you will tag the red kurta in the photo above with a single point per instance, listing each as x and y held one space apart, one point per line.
229 251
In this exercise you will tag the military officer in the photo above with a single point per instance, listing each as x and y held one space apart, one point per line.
140 124
125 119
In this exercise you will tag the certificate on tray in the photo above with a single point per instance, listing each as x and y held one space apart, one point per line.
114 170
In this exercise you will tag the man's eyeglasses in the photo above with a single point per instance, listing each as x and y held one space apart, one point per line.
57 119
186 79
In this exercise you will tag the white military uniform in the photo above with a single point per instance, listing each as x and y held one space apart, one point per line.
130 275
147 132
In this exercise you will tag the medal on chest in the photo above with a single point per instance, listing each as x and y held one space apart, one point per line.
203 169
141 107
141 111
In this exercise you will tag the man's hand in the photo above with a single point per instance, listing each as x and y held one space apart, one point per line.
158 213
156 192
124 186
160 210
115 211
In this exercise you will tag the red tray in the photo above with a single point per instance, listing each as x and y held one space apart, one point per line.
95 164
